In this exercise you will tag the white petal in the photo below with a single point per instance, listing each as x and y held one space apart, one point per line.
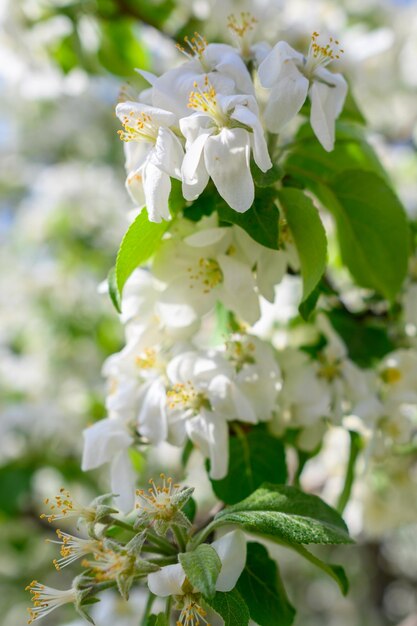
211 434
286 98
151 419
270 69
226 156
135 110
193 156
231 549
157 186
168 153
122 479
134 186
260 149
326 105
168 581
102 441
238 288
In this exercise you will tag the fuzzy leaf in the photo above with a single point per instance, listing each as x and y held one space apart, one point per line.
202 568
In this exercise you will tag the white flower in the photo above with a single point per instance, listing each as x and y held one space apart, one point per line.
221 64
153 155
196 396
147 324
397 373
304 398
291 77
219 138
201 270
171 579
107 441
45 599
257 378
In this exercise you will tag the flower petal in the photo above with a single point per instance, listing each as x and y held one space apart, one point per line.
286 98
326 104
260 149
272 66
167 581
231 549
211 434
122 478
157 186
238 288
226 156
103 440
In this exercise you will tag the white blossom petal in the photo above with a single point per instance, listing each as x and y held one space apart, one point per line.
103 440
157 187
326 104
226 157
231 549
167 581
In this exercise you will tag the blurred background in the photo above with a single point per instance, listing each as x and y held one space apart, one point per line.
63 210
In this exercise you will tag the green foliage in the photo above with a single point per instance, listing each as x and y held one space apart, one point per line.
261 221
286 515
334 571
120 49
309 162
138 244
261 586
308 234
372 230
202 567
254 457
268 178
231 607
367 340
157 620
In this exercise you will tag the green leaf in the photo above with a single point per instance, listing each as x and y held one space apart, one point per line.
372 230
366 340
113 290
268 178
308 234
309 162
138 244
202 568
157 620
334 571
261 221
286 515
121 49
231 607
351 111
261 586
255 456
308 306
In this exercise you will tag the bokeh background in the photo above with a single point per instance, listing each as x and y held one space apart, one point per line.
63 210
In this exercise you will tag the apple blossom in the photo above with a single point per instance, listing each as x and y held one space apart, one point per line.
220 136
153 154
292 77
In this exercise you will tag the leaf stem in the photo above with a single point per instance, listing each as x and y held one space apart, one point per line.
161 543
355 448
148 607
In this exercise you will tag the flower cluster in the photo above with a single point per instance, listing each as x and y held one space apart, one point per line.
206 119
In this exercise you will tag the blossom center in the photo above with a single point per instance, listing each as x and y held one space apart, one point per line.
186 396
147 360
391 375
320 55
192 614
46 599
63 505
194 49
207 275
205 100
241 28
138 128
159 502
